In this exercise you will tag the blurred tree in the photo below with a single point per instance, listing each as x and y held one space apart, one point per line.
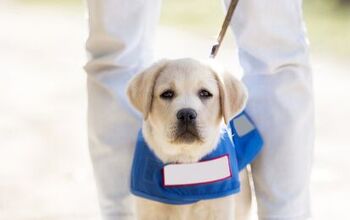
344 2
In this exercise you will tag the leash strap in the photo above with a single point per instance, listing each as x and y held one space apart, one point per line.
216 46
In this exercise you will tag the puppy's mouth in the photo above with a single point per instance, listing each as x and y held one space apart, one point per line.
186 134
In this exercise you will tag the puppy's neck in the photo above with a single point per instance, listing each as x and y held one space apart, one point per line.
178 153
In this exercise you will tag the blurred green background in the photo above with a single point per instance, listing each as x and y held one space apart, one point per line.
328 21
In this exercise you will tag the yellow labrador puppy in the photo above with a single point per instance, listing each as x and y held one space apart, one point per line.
184 104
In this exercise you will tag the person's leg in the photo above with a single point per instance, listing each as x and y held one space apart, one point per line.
273 52
120 41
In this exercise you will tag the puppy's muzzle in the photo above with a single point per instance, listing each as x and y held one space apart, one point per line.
186 127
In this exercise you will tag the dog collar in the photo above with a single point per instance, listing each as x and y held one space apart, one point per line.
215 175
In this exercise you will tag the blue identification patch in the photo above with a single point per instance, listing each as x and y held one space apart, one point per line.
240 143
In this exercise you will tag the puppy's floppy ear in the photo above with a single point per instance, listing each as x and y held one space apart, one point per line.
140 87
233 94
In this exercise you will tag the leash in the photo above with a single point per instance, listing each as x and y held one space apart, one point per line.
228 17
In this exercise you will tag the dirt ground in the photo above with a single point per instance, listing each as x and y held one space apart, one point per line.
45 171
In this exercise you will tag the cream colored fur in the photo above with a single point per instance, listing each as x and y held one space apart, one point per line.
186 77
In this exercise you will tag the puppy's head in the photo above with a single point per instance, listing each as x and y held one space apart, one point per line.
183 103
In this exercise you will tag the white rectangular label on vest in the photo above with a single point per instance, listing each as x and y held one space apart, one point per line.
197 173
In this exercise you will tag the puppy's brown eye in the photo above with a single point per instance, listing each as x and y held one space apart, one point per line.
168 94
205 94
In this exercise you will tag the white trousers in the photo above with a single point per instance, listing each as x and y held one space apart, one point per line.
273 52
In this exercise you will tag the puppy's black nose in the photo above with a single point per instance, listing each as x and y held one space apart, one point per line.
186 115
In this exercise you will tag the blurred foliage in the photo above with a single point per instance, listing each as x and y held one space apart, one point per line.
344 2
53 2
328 26
328 21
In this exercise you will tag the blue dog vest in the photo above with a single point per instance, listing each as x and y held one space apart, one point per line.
241 142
